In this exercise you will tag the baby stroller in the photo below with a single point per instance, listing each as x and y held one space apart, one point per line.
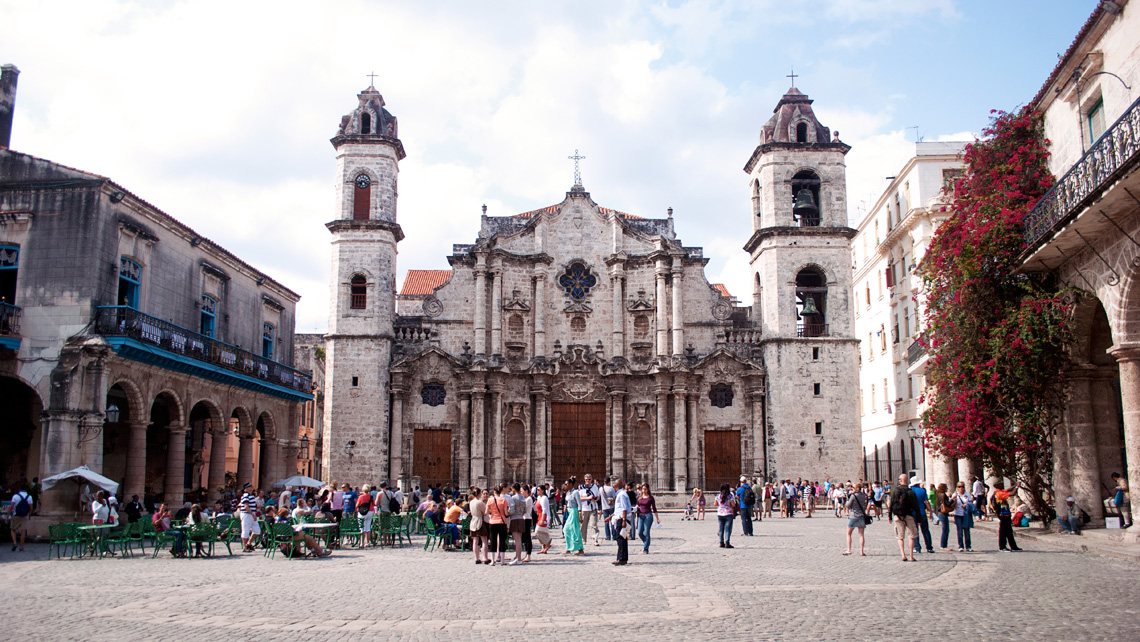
688 512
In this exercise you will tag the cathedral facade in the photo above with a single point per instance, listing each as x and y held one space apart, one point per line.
579 339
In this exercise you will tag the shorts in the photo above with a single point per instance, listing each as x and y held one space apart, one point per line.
249 526
856 522
877 502
905 529
18 523
482 531
517 526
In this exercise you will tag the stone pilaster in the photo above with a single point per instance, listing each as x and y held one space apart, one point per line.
478 437
680 432
662 312
678 313
539 312
396 466
617 280
136 461
173 487
245 461
1128 358
617 432
1084 467
217 475
497 313
662 455
480 307
464 440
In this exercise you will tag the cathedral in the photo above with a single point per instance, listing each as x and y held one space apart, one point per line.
579 339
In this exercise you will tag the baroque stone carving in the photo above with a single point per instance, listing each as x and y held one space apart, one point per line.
432 306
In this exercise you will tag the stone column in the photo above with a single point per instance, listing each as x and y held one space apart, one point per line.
617 348
662 312
136 461
944 471
267 472
695 436
497 434
497 313
680 432
245 461
542 430
478 439
678 316
464 439
174 485
1128 358
396 466
219 442
1084 465
480 309
287 458
617 435
539 313
756 419
662 453
91 442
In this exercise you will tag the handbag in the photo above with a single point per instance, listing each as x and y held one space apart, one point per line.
863 509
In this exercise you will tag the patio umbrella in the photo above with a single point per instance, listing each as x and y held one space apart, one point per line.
301 480
80 475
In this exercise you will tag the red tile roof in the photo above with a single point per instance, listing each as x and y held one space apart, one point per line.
423 282
550 209
723 290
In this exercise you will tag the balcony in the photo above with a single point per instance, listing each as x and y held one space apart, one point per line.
915 352
148 339
1109 159
10 326
811 330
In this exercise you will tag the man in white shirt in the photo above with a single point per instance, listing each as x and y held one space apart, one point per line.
285 500
621 514
21 508
978 490
589 494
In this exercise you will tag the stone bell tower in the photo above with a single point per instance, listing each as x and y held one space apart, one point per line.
357 432
800 256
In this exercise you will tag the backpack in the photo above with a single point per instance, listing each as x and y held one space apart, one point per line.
23 507
393 505
749 496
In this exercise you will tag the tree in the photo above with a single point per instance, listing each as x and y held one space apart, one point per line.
998 341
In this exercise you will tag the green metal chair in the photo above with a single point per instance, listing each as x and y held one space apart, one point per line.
282 534
161 539
204 534
465 533
350 531
138 533
230 534
408 523
63 538
431 537
119 540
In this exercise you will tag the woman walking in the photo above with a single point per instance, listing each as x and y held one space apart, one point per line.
857 518
646 513
698 500
572 529
477 504
963 516
725 511
542 526
498 516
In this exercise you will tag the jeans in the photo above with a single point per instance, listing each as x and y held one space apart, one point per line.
945 530
725 532
963 532
606 514
746 519
1070 524
924 530
1005 532
644 523
622 543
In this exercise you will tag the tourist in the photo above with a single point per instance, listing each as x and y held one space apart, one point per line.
161 522
498 515
920 519
247 511
589 495
517 506
619 522
606 504
646 513
571 527
877 498
698 501
942 508
528 521
767 512
21 507
365 512
999 504
904 508
301 510
337 503
746 498
1122 500
963 511
133 510
1020 510
789 497
857 517
542 517
299 537
452 514
477 505
193 518
725 510
978 490
285 499
1071 521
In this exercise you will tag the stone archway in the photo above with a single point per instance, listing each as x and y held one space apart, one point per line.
241 455
165 474
20 431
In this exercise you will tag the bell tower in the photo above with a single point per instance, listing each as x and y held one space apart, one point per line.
800 257
357 432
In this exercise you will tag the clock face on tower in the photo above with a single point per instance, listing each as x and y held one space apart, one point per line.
362 181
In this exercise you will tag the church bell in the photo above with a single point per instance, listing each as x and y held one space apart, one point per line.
805 209
809 306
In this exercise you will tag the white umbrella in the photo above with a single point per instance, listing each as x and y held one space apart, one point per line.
80 475
301 480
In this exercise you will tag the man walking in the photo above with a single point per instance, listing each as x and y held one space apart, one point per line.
904 506
790 497
589 494
978 490
21 509
746 497
621 514
249 525
920 519
607 501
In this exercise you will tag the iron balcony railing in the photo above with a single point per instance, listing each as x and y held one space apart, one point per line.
123 321
811 330
10 319
1113 152
915 352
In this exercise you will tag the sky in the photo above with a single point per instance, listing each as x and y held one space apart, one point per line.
220 113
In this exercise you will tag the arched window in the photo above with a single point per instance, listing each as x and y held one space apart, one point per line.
811 303
358 287
806 207
361 197
801 133
130 280
209 315
366 123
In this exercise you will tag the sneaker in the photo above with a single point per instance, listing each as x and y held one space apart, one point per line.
729 546
960 549
513 563
722 544
325 553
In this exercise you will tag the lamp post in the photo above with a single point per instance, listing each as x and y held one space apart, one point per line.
916 433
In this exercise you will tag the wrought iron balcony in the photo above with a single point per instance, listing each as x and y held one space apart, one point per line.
123 321
811 330
1111 155
10 319
915 352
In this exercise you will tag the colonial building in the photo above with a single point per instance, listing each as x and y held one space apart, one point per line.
892 239
132 344
1086 233
579 339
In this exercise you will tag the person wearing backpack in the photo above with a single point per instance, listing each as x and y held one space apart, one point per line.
904 508
21 508
746 498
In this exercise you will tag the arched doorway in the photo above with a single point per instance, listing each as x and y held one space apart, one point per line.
203 419
165 413
19 431
119 415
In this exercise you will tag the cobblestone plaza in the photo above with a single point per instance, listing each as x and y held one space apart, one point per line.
790 582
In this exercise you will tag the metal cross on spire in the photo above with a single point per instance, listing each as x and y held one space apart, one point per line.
372 79
577 170
793 76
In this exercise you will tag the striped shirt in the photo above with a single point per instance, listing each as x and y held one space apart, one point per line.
249 503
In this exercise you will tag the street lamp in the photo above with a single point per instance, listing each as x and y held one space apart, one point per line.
304 448
916 433
113 414
348 448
